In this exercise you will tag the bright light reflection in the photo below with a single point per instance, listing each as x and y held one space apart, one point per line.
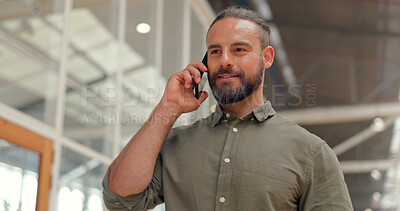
376 174
13 188
3 181
64 196
70 200
10 191
376 196
77 198
29 193
143 28
94 203
378 125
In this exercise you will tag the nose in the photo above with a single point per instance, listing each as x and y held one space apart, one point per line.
226 59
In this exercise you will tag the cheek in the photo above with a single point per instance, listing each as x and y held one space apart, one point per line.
210 72
252 58
248 63
212 68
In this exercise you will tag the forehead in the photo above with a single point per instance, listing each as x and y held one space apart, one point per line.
230 30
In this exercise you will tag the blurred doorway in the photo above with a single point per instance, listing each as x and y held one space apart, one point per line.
25 168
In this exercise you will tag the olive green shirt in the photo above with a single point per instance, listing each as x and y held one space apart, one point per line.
259 162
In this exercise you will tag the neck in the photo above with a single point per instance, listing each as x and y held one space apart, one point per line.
245 106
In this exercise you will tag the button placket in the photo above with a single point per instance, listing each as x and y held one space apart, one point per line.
226 169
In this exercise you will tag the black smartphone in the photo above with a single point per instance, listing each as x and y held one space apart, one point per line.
199 87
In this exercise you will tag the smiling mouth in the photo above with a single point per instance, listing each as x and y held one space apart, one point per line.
227 76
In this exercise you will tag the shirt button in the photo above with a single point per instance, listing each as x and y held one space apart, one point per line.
222 199
227 160
228 115
235 130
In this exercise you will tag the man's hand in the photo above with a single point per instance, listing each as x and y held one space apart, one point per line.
178 94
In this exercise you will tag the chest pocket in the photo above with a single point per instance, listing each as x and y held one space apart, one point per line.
267 187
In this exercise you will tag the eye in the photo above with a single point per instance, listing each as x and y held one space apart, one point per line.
215 51
239 49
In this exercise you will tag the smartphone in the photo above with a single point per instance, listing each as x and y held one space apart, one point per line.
199 87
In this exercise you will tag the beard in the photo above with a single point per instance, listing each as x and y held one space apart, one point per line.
227 94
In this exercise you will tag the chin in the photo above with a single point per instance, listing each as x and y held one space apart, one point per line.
228 85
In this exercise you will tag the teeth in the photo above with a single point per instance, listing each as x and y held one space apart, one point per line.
226 76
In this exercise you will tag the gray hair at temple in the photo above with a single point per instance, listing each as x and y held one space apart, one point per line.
242 13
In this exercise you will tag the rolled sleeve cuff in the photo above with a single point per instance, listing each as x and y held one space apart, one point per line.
114 201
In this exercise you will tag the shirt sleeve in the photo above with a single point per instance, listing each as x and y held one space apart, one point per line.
148 199
326 189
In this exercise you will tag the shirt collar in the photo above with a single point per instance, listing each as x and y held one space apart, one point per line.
261 113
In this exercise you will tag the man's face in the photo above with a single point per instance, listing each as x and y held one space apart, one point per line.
235 59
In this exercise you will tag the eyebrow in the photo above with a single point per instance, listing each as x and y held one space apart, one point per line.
213 46
234 44
242 43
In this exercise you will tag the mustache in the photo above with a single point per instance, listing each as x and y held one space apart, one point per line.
228 70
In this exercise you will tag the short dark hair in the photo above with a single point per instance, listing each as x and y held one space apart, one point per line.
243 13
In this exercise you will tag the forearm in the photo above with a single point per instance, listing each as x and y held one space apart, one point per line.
132 170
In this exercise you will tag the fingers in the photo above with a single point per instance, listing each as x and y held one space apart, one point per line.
191 73
199 66
187 78
194 69
195 73
194 102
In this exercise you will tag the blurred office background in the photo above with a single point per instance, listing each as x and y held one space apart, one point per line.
85 74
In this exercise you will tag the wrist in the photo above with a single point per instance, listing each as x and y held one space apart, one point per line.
164 114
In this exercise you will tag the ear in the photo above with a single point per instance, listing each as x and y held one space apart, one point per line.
268 56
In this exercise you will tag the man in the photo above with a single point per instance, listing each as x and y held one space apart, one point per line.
241 157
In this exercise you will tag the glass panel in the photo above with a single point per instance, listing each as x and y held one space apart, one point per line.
198 38
92 64
80 183
141 90
30 40
18 177
172 37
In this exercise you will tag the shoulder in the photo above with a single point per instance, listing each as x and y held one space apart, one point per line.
293 130
296 137
183 131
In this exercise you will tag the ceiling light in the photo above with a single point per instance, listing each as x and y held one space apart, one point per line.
143 28
376 174
376 196
368 209
378 125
